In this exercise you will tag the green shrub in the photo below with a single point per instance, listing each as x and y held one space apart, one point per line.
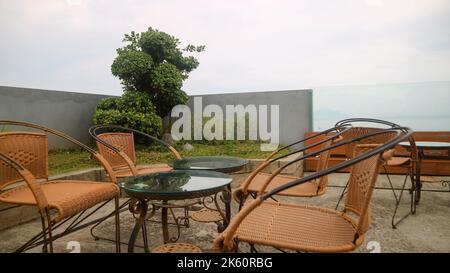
224 141
133 110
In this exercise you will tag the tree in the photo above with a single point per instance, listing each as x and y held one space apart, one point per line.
153 62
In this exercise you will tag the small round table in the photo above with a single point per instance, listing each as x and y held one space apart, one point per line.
422 146
224 164
173 185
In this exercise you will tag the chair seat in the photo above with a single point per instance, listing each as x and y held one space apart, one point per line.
177 248
298 227
308 189
68 197
142 170
397 161
207 216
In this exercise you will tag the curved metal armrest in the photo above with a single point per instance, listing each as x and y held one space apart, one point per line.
29 179
340 130
100 158
401 135
93 132
380 149
350 121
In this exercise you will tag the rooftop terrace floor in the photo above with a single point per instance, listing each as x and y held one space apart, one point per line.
427 231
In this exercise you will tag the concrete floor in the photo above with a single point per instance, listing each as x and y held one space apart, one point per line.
427 231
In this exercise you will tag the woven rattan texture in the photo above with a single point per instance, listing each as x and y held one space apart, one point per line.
28 149
122 141
177 248
207 216
68 197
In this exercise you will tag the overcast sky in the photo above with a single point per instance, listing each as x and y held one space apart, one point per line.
251 45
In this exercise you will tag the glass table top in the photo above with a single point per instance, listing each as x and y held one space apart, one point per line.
214 163
428 144
175 184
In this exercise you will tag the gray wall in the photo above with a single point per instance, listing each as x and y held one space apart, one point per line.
295 108
65 111
72 112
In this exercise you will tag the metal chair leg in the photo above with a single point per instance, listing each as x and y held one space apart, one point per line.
241 202
397 204
44 231
117 222
252 248
390 183
413 192
144 237
120 209
186 217
50 236
341 196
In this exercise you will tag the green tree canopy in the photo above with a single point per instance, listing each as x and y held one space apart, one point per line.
153 62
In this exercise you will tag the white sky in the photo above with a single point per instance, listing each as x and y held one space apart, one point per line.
251 45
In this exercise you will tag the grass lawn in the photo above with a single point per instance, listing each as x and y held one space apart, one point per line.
62 161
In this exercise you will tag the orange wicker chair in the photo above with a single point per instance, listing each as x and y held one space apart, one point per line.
118 148
307 228
24 158
258 181
407 163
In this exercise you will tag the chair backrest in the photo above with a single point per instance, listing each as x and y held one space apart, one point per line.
30 149
363 176
123 142
361 131
322 164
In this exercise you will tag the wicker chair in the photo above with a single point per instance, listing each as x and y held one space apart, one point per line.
118 148
24 158
407 163
116 145
257 182
307 228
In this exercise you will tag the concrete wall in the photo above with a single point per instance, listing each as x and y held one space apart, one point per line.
295 108
65 111
72 112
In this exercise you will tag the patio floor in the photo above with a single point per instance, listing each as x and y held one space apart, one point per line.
427 231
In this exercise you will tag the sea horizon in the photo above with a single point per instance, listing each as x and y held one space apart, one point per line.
422 106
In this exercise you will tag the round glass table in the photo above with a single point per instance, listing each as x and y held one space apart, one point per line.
224 164
173 185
